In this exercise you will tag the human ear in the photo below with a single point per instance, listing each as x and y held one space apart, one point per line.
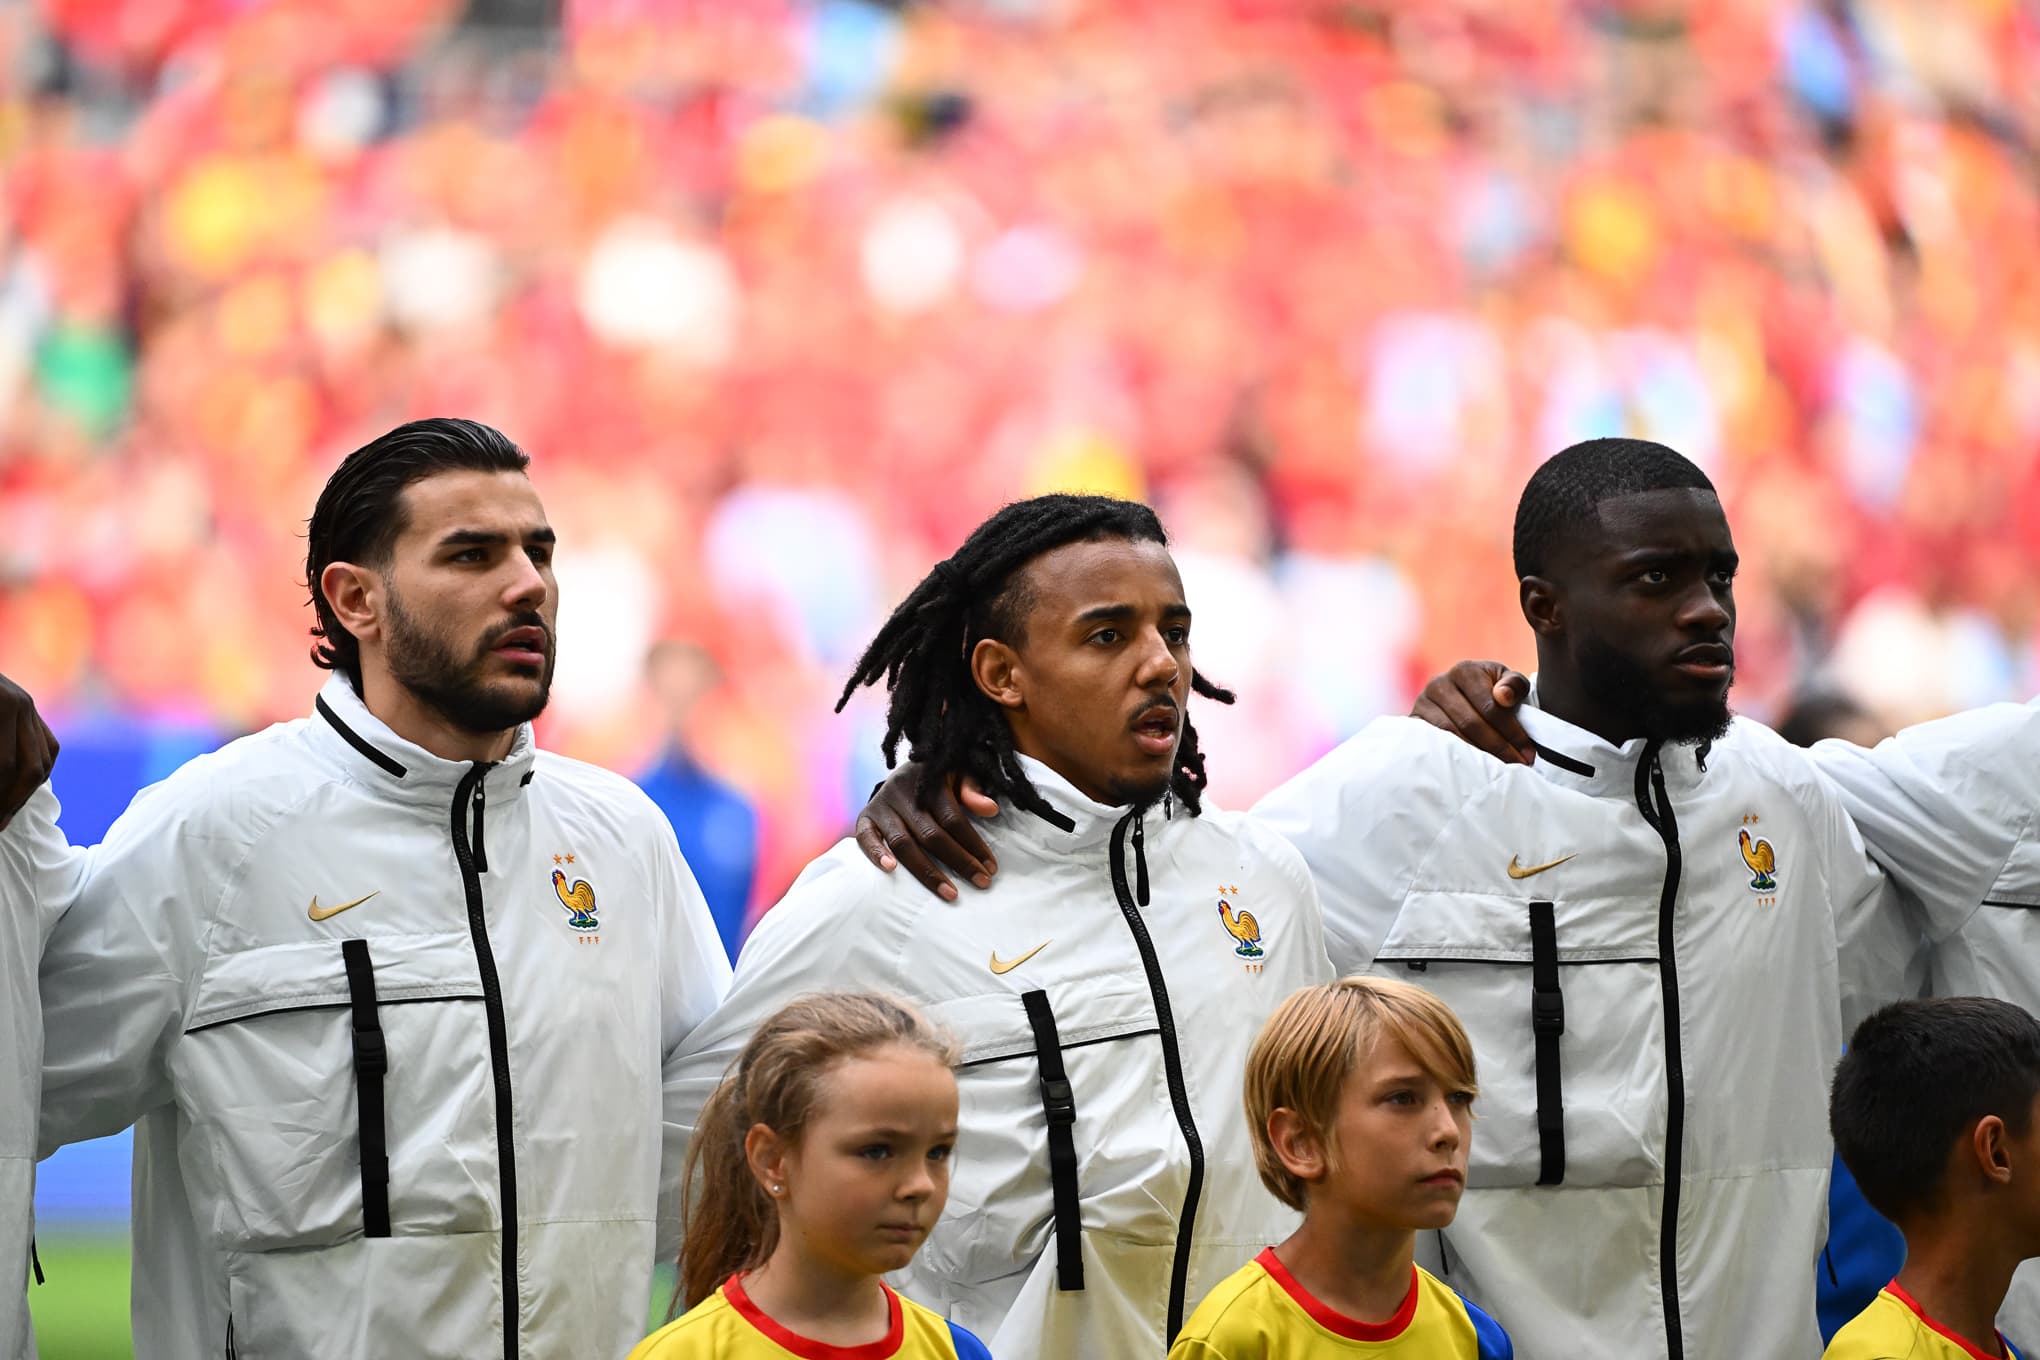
769 1156
352 593
1543 604
1300 1151
996 669
1989 1144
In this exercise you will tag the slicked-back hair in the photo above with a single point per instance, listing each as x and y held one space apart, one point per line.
1916 1078
922 653
360 513
1563 496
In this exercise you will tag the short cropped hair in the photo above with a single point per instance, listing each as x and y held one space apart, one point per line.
1564 494
1915 1079
1315 1039
360 514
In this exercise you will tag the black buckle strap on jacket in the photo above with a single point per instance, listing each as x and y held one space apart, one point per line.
1060 1104
371 1061
1547 1023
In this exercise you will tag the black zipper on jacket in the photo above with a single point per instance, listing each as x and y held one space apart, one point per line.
469 793
1172 1055
1656 806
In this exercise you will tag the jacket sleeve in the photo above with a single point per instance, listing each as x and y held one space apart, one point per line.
1880 947
38 866
1366 816
1943 804
694 976
820 937
116 967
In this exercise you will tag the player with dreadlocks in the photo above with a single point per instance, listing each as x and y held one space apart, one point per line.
1108 986
950 724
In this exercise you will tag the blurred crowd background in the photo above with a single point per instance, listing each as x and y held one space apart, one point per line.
784 295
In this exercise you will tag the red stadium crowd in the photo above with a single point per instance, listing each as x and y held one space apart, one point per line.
782 295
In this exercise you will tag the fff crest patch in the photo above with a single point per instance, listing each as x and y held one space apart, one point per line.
1244 929
1760 856
576 897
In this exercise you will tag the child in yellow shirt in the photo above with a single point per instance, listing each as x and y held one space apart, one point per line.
1936 1112
1360 1099
819 1164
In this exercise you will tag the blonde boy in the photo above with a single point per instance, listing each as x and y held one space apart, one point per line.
1360 1101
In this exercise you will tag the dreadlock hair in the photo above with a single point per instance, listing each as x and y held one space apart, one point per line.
1564 494
922 653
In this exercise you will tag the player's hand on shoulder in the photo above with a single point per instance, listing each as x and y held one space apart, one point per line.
1476 701
28 749
930 833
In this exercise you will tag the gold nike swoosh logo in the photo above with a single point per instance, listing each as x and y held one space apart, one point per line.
319 913
1010 965
1521 871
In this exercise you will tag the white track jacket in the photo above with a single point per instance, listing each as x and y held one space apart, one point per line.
1138 956
1645 953
36 866
395 1029
1951 808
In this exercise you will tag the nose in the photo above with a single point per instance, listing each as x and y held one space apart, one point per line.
1159 667
526 586
1704 610
1444 1126
918 1183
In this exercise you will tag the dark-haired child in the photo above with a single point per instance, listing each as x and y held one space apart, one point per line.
1934 1113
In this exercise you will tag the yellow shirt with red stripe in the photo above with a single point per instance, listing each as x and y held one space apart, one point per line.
1261 1312
727 1325
1895 1327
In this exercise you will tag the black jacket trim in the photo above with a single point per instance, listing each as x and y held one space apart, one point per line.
1547 1025
1564 761
1059 1103
371 1064
356 740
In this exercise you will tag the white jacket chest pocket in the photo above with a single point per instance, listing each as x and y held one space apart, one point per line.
1126 1163
289 1051
1564 1004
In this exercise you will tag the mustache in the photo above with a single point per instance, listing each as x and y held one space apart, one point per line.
528 619
1159 703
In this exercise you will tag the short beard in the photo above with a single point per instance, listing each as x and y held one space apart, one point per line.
1139 796
426 666
1621 688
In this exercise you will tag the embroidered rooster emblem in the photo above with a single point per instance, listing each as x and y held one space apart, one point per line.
1763 862
578 899
1243 928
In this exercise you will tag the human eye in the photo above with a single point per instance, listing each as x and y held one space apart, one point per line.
1178 636
1105 637
1402 1095
541 554
1654 576
1463 1098
875 1152
941 1152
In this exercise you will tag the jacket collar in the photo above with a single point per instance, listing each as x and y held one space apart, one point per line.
1090 823
361 742
1577 759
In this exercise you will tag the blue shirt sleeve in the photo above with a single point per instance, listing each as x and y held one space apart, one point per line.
1490 1341
968 1347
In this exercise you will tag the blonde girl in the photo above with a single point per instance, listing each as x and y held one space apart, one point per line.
818 1166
